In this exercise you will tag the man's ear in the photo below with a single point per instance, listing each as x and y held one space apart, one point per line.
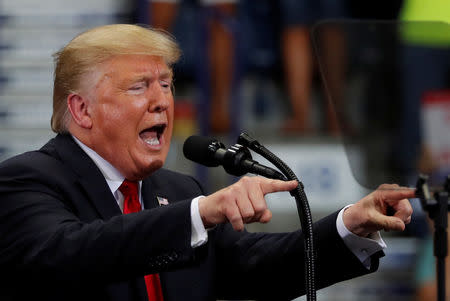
78 107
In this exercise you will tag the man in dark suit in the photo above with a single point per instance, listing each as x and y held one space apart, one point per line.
81 217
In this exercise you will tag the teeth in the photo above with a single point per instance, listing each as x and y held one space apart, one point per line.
152 141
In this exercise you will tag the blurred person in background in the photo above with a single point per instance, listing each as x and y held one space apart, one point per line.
425 67
297 18
93 215
221 51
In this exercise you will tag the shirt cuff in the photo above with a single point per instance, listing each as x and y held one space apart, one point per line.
362 247
199 235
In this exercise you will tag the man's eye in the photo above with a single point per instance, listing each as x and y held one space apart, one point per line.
165 84
137 87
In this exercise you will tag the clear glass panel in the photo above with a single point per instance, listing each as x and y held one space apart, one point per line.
388 83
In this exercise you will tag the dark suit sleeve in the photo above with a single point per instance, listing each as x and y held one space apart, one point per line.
44 238
271 266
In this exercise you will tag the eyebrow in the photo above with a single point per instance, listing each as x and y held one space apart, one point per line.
162 75
166 74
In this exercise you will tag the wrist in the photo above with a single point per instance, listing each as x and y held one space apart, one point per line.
203 216
352 223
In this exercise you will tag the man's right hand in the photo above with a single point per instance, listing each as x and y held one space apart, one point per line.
241 203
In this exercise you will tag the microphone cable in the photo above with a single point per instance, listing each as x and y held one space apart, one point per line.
303 210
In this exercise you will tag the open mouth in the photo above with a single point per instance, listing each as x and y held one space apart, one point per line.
152 136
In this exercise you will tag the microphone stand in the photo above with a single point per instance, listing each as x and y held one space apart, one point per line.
303 209
437 208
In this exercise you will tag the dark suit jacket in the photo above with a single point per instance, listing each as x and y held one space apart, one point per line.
63 237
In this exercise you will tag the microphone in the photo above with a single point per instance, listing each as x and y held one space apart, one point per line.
236 160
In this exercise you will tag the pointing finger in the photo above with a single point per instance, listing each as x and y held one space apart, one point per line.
270 185
397 193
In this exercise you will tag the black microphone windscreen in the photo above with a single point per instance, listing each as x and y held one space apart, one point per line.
197 149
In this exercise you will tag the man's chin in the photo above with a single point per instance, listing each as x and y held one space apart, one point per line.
148 170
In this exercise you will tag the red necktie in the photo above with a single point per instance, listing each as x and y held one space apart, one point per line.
131 204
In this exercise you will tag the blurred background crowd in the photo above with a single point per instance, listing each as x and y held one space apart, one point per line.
350 94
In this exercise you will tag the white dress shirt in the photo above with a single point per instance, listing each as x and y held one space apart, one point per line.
362 247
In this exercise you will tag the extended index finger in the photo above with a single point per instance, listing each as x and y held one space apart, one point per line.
271 185
397 193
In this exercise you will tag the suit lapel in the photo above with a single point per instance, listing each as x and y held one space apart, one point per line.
92 181
89 176
148 194
155 193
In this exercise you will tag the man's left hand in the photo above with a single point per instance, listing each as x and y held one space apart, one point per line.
370 214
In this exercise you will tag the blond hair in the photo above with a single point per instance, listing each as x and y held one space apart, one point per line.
93 47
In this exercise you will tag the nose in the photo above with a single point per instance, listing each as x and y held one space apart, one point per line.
160 100
159 107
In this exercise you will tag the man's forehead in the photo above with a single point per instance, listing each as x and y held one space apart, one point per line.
135 67
137 64
129 68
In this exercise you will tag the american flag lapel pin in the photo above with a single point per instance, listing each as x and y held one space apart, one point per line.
162 201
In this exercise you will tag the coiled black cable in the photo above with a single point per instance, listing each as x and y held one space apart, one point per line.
303 210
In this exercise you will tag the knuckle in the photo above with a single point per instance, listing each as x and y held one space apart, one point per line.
409 211
248 214
230 193
259 207
386 186
235 219
246 180
230 212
